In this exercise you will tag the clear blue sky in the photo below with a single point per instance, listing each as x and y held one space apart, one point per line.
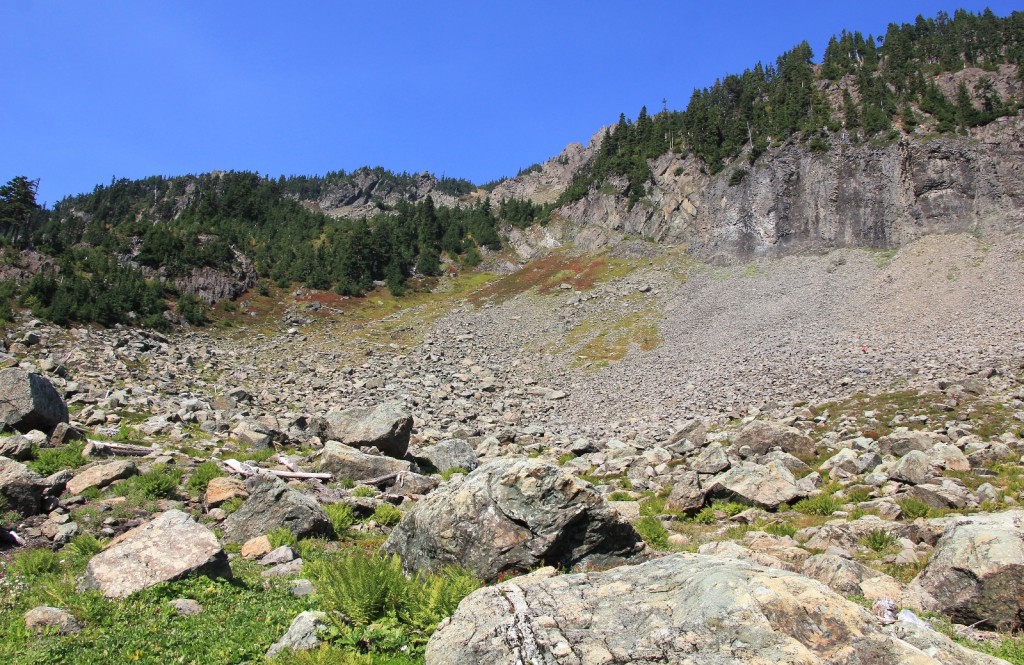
92 90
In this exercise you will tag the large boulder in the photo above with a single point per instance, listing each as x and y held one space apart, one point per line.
762 436
510 516
385 426
977 570
346 462
21 487
450 454
101 475
767 486
272 504
684 608
169 547
29 401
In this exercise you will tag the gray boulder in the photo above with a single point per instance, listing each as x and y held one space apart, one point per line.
684 608
385 426
303 634
977 570
167 548
686 495
902 441
767 486
450 454
346 462
46 618
510 516
21 487
29 401
914 468
272 504
712 459
18 448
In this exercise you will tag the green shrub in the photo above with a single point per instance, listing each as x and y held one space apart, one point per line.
448 473
652 506
232 504
48 461
737 177
434 597
157 483
192 309
86 544
878 540
364 491
282 536
823 504
781 530
565 457
730 508
341 516
913 508
361 587
858 495
705 516
619 495
652 531
34 563
387 515
202 476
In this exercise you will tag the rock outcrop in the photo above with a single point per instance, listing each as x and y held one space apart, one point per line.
977 571
21 487
169 547
678 609
510 516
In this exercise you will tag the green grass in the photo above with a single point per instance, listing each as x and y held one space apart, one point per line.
620 495
35 563
387 515
364 491
47 461
879 540
782 529
202 476
281 536
160 482
913 508
653 532
341 516
823 504
448 473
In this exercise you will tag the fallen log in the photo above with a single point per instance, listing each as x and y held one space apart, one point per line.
248 470
105 448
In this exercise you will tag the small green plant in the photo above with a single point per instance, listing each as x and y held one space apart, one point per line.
364 491
386 515
878 540
448 473
157 483
705 516
858 495
652 531
730 508
48 461
341 516
361 587
92 493
282 536
782 529
85 545
202 476
619 495
35 563
912 508
823 504
232 504
565 457
652 506
737 177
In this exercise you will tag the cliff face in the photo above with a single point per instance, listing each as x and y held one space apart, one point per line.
794 200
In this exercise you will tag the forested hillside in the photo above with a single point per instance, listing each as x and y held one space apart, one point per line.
120 252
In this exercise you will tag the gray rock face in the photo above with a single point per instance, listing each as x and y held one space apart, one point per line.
167 548
29 401
21 487
273 504
977 571
101 475
683 608
449 454
767 486
914 468
510 516
347 462
385 426
687 495
18 448
712 459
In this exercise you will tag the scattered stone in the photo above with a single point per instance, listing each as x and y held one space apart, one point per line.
386 427
186 607
21 487
767 486
450 454
43 618
303 633
222 489
256 547
345 462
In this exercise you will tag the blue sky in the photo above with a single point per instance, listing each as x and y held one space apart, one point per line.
94 90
